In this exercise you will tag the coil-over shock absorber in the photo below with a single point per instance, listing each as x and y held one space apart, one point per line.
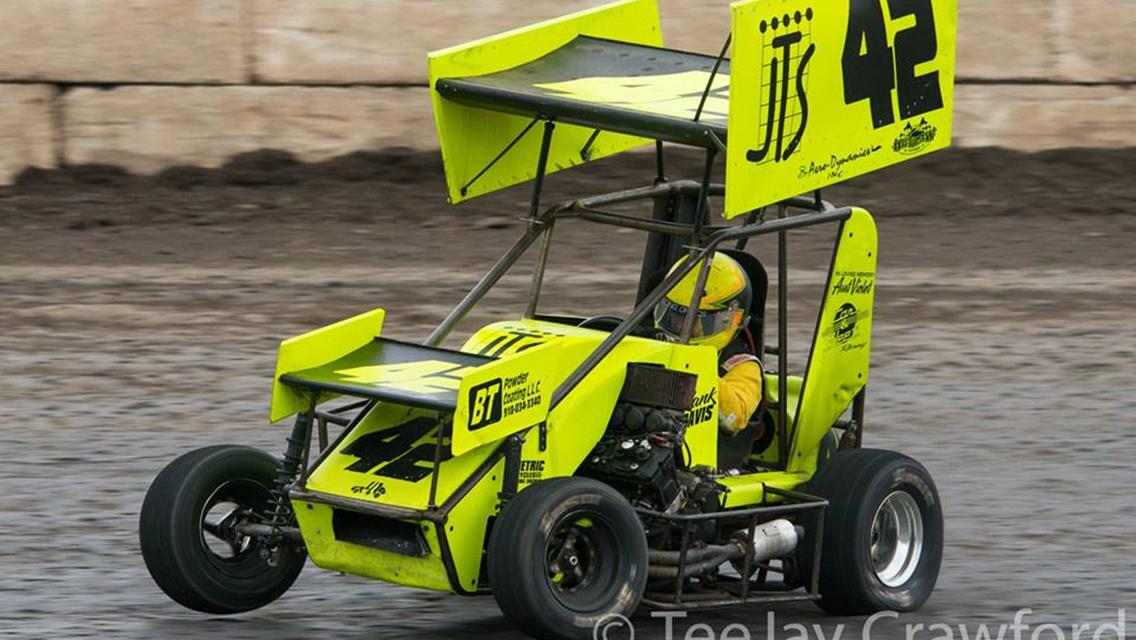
278 512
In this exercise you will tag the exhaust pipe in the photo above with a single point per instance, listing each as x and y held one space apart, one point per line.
770 540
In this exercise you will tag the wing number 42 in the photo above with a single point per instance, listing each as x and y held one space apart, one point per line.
872 68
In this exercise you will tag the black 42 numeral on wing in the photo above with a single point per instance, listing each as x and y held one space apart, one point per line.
872 68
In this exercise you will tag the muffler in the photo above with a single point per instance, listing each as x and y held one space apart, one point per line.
770 540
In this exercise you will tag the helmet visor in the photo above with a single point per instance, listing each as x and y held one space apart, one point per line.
670 317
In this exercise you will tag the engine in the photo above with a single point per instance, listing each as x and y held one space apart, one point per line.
642 454
638 455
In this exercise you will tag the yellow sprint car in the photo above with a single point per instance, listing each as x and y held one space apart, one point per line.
573 467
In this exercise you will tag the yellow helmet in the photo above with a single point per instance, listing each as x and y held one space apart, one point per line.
724 307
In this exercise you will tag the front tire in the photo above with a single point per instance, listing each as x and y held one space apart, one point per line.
564 555
883 533
188 538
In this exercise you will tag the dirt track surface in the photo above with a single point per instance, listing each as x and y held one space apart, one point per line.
141 319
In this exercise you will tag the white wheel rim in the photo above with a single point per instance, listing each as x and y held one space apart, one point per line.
896 542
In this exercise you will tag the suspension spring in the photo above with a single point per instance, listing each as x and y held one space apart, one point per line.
278 512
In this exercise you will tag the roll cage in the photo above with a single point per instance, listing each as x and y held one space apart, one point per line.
679 224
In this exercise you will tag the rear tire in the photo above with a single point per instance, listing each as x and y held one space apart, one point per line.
187 539
883 533
564 555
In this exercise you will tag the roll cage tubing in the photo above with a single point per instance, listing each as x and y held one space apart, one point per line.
705 239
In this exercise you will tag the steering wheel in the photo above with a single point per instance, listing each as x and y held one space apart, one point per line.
604 323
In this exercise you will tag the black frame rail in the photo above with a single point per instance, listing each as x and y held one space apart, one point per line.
746 588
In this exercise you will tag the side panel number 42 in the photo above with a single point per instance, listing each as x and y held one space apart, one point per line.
872 68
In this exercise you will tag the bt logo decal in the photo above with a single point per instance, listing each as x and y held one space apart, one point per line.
485 404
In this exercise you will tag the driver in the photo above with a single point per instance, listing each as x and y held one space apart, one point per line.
722 323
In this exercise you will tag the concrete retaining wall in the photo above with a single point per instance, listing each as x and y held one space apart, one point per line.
146 128
149 83
28 131
107 41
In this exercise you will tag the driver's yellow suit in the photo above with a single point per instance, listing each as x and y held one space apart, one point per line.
741 390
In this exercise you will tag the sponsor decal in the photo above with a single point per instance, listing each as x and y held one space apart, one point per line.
846 328
914 139
787 46
371 489
490 402
844 324
521 394
531 471
837 165
853 283
703 408
484 404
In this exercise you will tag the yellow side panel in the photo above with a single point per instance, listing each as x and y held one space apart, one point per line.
824 91
388 457
749 490
702 420
466 526
315 348
465 533
471 138
427 572
838 363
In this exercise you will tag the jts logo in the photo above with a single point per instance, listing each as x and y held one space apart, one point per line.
787 45
514 341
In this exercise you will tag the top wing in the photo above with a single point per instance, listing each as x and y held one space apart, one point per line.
815 93
485 149
609 85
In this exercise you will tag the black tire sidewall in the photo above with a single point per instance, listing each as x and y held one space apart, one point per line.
901 474
518 566
170 534
856 482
